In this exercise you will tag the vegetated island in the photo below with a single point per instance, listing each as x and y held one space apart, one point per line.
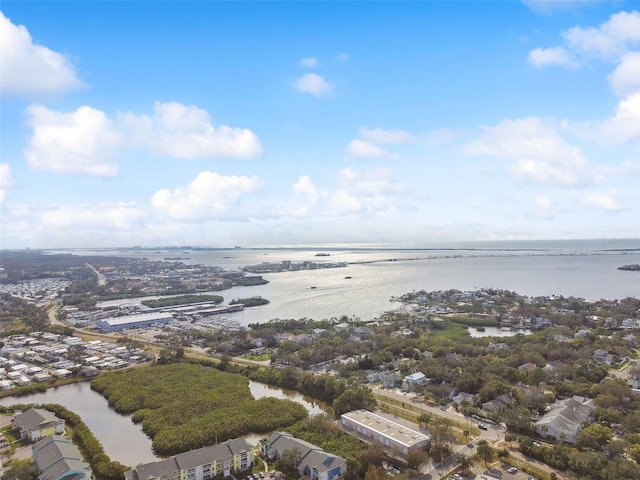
632 268
249 302
182 300
183 406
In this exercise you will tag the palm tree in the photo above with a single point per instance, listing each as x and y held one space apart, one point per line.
464 462
484 451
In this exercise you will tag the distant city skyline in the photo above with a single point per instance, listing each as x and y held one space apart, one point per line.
310 123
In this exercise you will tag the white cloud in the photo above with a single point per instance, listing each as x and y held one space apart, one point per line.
315 85
361 149
603 201
367 145
625 124
105 216
364 193
111 223
6 181
630 167
86 141
309 62
610 40
537 151
615 40
342 57
625 79
544 207
441 136
383 137
30 69
78 142
209 196
541 57
185 131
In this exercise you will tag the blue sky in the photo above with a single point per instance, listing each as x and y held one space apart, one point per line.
308 123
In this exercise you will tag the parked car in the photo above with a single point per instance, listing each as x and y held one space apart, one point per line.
482 426
512 470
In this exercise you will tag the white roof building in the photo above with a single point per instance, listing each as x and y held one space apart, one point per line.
116 324
384 431
565 418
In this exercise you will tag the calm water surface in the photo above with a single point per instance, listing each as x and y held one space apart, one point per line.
367 293
122 439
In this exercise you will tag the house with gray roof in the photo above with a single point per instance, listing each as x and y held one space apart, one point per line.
498 404
204 463
37 423
57 458
565 418
313 462
414 380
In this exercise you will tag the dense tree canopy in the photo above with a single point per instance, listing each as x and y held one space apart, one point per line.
183 406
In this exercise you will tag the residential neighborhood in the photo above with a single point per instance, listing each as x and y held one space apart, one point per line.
520 373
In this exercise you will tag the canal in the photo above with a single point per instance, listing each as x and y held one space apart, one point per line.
122 439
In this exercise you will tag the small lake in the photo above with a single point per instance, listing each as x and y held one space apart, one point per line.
496 332
122 439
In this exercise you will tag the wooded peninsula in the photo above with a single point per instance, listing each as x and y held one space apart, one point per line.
183 406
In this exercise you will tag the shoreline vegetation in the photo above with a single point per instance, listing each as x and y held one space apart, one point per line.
90 447
255 301
182 300
178 418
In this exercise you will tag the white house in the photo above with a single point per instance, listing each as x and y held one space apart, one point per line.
36 423
634 380
414 380
565 419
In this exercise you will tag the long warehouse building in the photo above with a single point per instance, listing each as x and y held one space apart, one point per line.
385 432
117 324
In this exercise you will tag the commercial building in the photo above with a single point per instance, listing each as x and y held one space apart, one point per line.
117 324
386 433
201 464
313 462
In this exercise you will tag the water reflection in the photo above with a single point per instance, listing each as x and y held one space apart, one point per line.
496 332
260 390
122 439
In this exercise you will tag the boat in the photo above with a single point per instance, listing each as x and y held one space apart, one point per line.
347 278
312 288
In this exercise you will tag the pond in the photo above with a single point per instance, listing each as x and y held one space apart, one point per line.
496 332
122 439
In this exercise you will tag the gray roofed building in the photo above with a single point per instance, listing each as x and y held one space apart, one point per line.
313 462
115 324
200 464
57 458
36 423
565 418
498 404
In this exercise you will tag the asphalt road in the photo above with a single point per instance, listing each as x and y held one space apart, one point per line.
494 435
